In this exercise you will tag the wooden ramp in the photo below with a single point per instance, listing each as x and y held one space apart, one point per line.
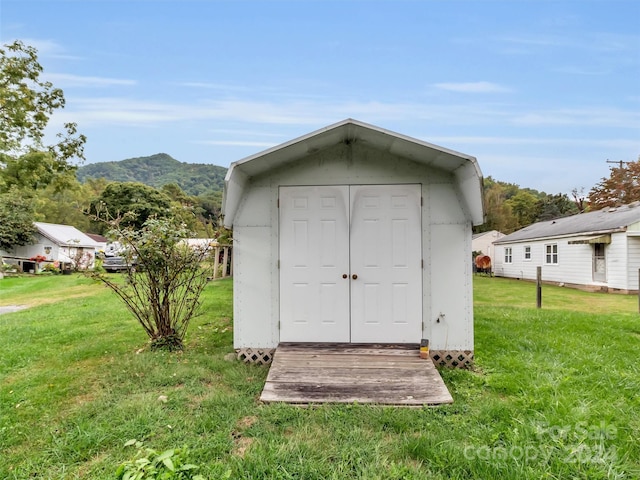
348 373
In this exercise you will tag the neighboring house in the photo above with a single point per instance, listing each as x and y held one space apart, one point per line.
56 243
353 234
596 250
483 242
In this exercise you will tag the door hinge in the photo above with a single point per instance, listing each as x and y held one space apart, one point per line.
278 202
422 201
278 264
422 263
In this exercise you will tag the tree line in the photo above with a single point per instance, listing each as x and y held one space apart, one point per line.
508 207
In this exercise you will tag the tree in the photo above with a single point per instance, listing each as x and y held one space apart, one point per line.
132 203
165 278
523 205
499 215
67 206
622 187
559 205
16 220
26 105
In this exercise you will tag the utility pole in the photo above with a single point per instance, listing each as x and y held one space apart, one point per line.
620 162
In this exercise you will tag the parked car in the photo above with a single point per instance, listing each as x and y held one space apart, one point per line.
115 264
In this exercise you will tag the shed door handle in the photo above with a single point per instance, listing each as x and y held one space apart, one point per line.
344 275
354 276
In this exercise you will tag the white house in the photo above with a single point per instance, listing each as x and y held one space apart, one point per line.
353 234
596 250
483 242
55 243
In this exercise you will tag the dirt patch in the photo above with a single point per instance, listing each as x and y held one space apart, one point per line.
241 445
246 422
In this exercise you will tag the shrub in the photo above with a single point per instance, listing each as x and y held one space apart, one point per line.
164 279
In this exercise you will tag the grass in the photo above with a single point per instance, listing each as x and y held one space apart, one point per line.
555 394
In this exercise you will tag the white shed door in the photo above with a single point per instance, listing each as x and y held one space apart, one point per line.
350 264
314 256
386 244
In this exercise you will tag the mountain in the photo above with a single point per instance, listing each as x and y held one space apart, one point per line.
158 170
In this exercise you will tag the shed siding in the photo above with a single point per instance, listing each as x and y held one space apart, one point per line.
451 289
446 241
253 293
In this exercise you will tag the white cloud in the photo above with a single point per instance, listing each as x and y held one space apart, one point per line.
69 80
245 133
601 117
536 40
132 112
236 143
549 141
215 86
472 87
45 48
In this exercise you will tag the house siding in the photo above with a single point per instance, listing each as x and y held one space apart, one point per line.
575 262
633 262
616 255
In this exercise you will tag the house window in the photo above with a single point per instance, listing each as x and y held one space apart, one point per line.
527 252
551 254
508 255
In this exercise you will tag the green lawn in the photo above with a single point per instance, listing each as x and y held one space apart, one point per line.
555 394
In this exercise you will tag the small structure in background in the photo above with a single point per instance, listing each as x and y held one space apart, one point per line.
63 245
222 264
597 251
482 243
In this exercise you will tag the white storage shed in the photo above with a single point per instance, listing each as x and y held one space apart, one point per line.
354 234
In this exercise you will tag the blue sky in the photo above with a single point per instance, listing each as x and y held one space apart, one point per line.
541 92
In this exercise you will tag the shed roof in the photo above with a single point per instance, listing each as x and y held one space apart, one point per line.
464 167
607 220
65 235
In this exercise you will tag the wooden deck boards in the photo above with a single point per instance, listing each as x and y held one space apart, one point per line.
348 373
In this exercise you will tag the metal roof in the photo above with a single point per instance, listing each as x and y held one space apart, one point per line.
601 221
464 167
65 235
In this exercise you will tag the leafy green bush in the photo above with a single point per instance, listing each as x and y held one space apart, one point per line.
150 465
164 279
